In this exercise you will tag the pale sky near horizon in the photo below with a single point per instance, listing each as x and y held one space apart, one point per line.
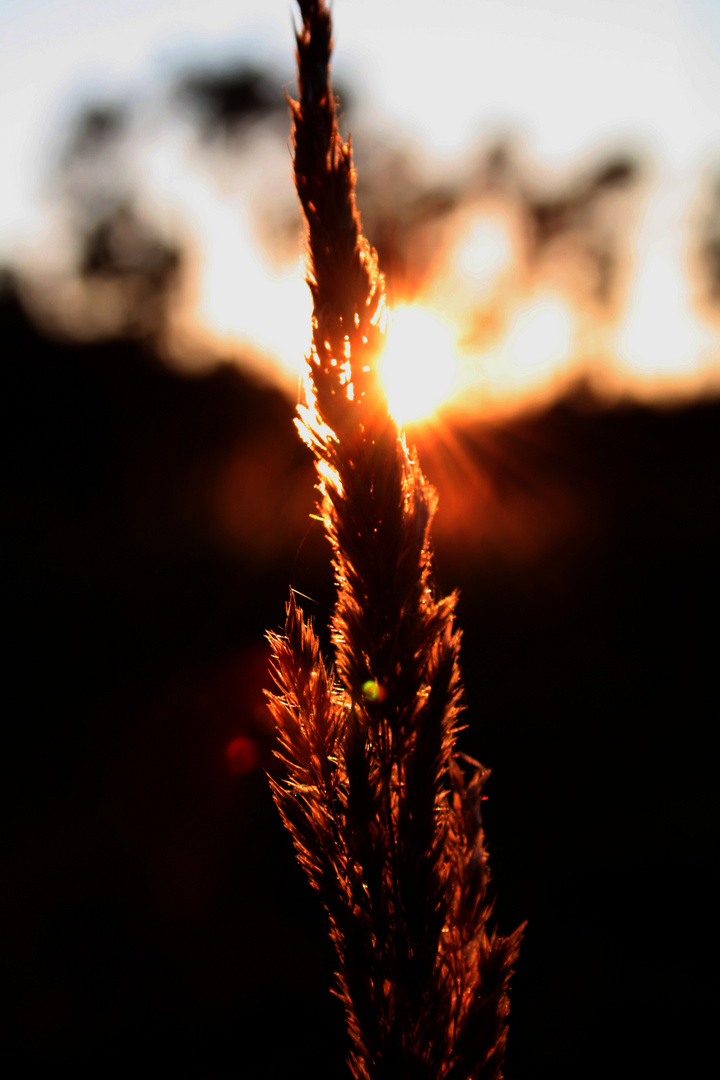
568 75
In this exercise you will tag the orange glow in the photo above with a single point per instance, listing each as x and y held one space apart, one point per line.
235 298
530 357
417 366
540 339
483 335
662 347
485 251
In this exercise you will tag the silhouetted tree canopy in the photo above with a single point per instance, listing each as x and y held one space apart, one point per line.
124 251
94 129
228 102
709 244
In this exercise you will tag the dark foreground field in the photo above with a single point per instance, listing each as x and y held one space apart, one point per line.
152 916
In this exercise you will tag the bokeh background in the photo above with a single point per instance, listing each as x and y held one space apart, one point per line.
542 183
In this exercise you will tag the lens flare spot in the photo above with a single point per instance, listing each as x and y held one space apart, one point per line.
373 691
417 365
242 755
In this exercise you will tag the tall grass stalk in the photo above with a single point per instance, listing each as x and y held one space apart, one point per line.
384 814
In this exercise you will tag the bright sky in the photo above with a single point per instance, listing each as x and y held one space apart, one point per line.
570 76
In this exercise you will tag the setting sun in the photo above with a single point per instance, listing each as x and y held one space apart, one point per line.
417 366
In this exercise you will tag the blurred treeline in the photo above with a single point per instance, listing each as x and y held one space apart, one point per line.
125 258
152 524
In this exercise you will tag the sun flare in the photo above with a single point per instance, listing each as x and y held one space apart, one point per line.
480 336
417 365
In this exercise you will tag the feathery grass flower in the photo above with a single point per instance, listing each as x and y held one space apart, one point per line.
384 814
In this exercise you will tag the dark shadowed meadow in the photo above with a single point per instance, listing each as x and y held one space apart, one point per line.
152 905
154 918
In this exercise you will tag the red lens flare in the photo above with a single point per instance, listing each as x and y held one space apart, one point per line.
242 755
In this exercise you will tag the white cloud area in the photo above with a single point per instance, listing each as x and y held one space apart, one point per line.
572 77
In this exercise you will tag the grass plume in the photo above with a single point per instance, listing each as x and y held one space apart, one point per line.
384 814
